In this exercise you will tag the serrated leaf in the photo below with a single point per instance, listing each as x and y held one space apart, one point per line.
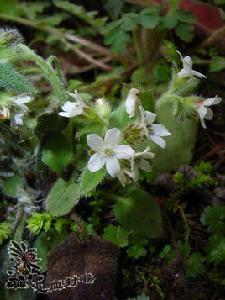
140 214
12 81
57 152
62 197
116 235
89 181
65 195
194 265
148 21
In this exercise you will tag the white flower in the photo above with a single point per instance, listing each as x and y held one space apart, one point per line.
72 109
21 102
21 108
108 152
130 102
139 161
204 111
18 119
153 131
187 71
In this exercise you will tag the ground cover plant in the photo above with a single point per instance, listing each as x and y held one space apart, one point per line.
112 147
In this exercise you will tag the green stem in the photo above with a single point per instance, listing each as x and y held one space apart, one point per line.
47 71
19 224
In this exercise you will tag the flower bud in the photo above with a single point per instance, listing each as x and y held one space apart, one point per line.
102 107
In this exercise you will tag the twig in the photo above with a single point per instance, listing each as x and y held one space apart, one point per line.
212 38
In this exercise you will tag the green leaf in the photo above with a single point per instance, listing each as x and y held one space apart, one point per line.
10 186
116 235
139 213
80 12
12 81
65 195
5 231
117 39
89 181
128 22
217 64
119 118
114 7
183 137
136 251
194 265
184 32
39 221
149 18
62 197
57 152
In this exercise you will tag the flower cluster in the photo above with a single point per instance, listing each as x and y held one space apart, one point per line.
201 106
125 150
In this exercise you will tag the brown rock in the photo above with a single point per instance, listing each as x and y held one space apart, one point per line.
74 257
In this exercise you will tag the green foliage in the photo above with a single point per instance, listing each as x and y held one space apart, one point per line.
113 7
39 221
5 231
139 214
13 81
117 235
214 218
195 265
217 64
62 197
57 152
183 136
65 195
11 185
118 33
44 221
81 13
88 182
201 177
136 251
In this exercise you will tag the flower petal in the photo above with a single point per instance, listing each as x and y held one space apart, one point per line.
149 117
212 101
96 162
158 140
130 102
21 99
183 73
95 142
112 136
209 114
202 111
112 166
198 74
160 130
123 151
